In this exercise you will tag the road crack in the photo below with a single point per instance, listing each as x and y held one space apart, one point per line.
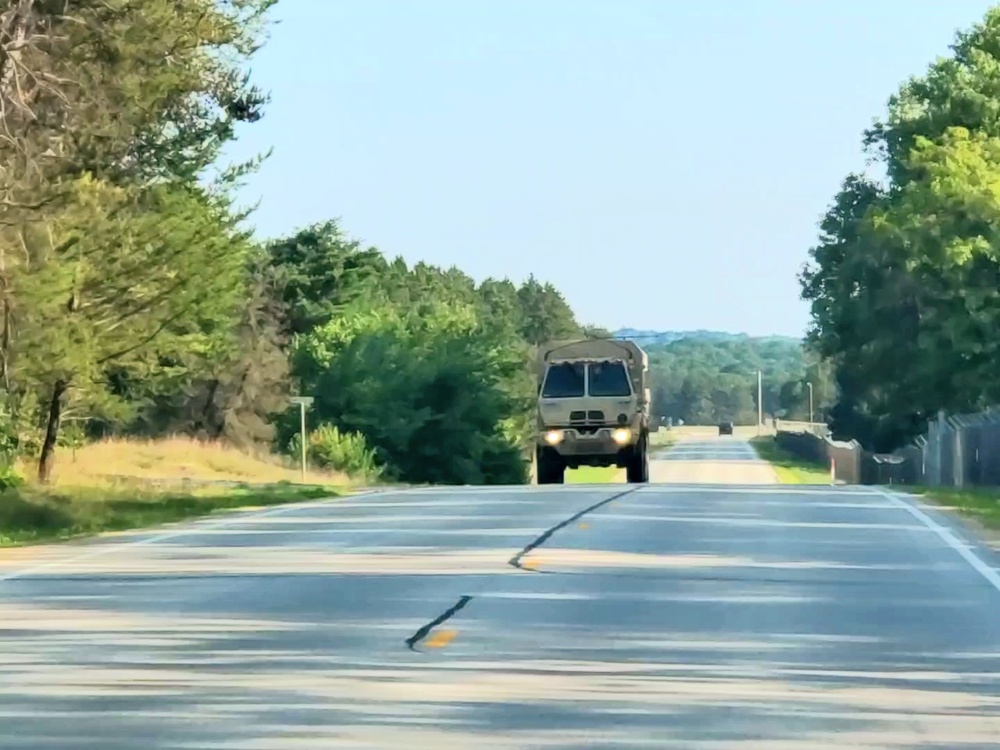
414 639
515 561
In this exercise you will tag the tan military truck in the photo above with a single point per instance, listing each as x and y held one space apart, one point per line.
593 408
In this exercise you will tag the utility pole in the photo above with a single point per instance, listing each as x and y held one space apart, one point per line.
810 405
303 402
760 402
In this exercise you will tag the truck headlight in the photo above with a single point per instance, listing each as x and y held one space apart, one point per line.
621 435
553 437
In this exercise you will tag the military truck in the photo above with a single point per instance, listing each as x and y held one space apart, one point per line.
593 408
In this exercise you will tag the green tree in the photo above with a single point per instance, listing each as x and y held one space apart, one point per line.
500 308
119 109
112 275
318 271
960 90
125 91
430 394
234 393
545 314
903 284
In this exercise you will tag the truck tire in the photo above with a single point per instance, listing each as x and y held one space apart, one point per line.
637 470
551 469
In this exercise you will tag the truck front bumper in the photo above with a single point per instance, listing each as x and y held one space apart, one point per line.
604 441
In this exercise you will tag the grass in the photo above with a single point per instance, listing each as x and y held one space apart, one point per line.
789 469
30 515
981 504
593 475
117 485
172 460
612 474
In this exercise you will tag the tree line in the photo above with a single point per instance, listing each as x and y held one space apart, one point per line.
904 283
431 373
705 378
134 299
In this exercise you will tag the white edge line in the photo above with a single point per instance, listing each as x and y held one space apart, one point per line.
948 537
192 526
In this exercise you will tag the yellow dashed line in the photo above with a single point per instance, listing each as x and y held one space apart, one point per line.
529 564
584 525
441 639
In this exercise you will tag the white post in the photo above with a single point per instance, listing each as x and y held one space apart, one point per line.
810 405
833 470
302 436
303 402
760 402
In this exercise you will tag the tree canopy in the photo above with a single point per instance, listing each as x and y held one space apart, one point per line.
119 259
903 283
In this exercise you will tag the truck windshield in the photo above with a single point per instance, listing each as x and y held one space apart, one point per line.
609 379
564 380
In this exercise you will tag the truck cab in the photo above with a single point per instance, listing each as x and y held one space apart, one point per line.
593 409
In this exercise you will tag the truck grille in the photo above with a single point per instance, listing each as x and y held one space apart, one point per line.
577 417
584 449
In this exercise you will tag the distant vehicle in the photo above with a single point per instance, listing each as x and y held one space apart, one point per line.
593 408
725 428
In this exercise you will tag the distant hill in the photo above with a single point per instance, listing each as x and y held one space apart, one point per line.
651 338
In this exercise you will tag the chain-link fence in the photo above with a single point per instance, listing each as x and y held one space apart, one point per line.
958 451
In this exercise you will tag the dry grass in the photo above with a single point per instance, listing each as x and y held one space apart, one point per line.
173 459
120 484
33 514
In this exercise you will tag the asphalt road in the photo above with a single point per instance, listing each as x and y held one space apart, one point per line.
710 460
668 616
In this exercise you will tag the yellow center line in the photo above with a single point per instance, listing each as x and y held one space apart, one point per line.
441 639
584 525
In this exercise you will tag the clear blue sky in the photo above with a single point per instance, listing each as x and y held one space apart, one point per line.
664 163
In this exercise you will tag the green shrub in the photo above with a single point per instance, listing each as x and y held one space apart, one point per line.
10 478
347 452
